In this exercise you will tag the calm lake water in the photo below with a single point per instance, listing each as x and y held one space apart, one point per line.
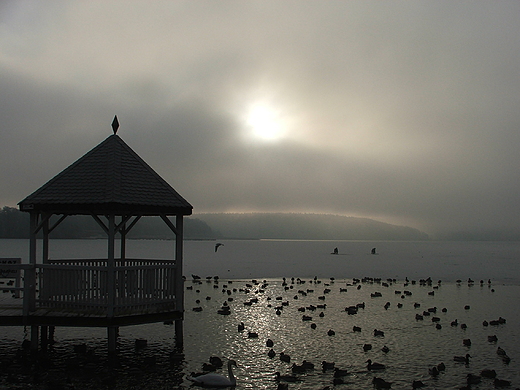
414 345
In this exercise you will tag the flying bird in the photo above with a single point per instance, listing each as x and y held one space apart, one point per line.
217 245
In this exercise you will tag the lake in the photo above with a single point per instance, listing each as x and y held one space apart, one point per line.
274 310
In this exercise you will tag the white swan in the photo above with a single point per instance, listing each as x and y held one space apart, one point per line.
216 380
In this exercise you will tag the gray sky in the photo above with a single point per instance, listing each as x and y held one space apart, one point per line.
405 112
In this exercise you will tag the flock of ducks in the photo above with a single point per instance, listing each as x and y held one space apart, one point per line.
282 381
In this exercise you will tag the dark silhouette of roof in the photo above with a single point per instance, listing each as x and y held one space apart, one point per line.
111 178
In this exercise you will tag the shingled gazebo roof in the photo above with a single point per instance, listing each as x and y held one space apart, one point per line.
111 178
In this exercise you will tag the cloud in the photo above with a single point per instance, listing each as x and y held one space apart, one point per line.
405 112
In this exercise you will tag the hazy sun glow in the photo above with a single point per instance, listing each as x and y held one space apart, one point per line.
265 122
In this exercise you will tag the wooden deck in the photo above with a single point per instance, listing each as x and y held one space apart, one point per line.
77 293
13 316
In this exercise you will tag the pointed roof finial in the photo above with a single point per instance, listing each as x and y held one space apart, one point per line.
115 124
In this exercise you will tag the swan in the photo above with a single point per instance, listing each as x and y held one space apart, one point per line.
216 380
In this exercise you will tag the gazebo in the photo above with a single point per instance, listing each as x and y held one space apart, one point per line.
114 186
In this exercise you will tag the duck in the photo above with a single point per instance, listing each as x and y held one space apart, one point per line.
216 361
417 384
339 373
375 366
327 365
487 373
462 359
338 381
285 358
208 367
286 378
501 383
297 369
473 379
380 383
216 380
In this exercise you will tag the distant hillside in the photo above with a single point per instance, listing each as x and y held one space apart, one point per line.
306 227
15 224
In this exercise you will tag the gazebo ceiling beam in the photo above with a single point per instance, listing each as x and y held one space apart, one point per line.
100 223
132 224
45 218
169 223
121 225
55 225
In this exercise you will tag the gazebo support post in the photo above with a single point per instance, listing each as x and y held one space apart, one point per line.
45 241
112 339
179 285
123 232
111 282
29 304
44 337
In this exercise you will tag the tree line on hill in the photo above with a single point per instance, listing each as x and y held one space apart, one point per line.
307 227
15 224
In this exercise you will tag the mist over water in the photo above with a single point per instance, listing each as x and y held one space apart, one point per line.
445 260
414 346
394 259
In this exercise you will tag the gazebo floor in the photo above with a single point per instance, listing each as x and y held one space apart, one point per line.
13 316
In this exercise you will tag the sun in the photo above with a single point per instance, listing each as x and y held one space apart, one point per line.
265 122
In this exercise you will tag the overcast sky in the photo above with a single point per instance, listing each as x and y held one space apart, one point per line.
405 112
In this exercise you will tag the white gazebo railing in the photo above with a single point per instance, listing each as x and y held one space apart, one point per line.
140 286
